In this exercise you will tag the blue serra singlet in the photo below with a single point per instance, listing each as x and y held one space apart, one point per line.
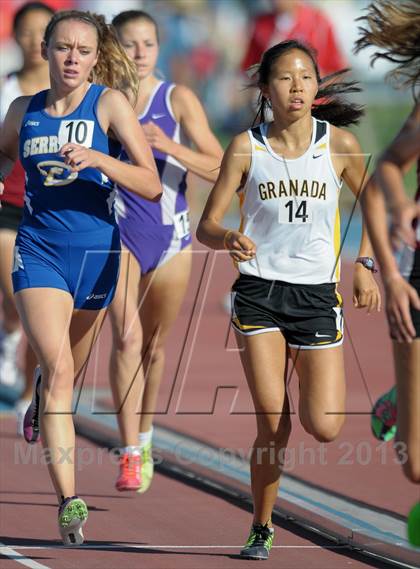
68 238
56 197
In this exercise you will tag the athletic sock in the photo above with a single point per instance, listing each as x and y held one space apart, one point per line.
145 438
131 449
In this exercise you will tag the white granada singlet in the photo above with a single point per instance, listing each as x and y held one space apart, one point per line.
289 208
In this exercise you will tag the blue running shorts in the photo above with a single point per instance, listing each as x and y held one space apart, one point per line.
85 264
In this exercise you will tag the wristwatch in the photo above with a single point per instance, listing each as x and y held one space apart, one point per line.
368 263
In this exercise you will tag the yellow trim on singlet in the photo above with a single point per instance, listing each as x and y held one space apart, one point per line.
337 242
321 146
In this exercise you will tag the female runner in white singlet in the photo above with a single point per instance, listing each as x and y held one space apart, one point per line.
285 302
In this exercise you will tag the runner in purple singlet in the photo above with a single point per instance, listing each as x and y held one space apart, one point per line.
156 263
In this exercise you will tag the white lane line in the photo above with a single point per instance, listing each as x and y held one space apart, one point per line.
11 553
134 546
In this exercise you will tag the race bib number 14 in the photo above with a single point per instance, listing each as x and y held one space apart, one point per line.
295 211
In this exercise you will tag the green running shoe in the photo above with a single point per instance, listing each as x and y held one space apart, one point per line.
384 416
72 516
413 525
259 542
146 467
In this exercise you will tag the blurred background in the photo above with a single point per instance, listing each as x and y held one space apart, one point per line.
208 44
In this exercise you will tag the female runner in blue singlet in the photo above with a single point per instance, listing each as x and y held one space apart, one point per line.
67 249
156 263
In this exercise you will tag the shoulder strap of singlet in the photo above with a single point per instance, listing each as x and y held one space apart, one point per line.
321 130
158 102
161 102
91 98
256 133
37 102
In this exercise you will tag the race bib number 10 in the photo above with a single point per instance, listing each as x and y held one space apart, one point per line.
79 132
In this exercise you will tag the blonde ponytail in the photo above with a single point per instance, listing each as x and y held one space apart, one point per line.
114 68
393 28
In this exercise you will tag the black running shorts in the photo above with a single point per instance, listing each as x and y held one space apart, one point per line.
309 316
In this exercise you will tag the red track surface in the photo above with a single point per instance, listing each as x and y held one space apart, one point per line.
194 402
172 513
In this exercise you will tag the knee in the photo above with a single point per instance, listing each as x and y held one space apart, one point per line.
275 434
324 430
130 342
58 376
154 355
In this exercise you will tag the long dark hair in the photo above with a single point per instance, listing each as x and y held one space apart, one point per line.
332 107
394 28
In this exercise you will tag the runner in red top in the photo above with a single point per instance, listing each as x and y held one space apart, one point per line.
292 19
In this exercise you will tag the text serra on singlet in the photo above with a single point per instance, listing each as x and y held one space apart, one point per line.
40 145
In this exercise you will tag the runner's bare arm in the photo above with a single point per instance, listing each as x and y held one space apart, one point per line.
354 171
206 159
141 176
233 172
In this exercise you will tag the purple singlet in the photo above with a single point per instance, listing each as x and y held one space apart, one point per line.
155 232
